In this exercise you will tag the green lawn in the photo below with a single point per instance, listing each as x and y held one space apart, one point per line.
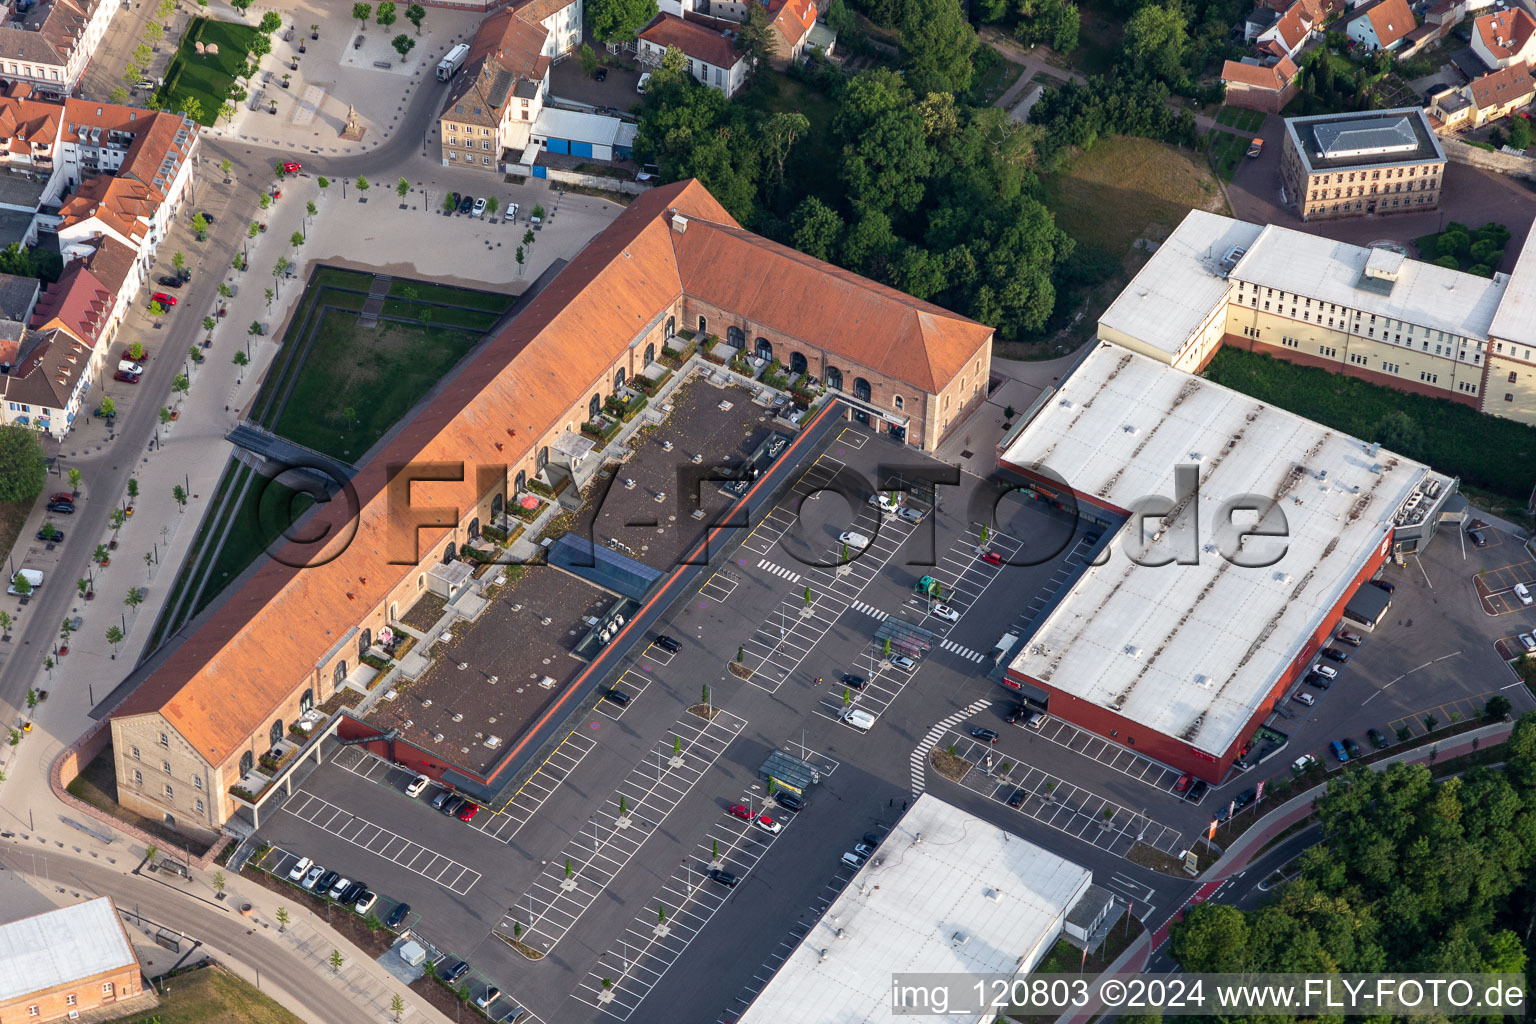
212 995
1240 118
1485 451
202 77
378 373
402 288
1227 150
994 74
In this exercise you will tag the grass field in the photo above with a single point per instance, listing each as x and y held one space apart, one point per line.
1485 451
1100 35
212 995
994 74
378 373
1240 118
206 78
1227 151
1122 189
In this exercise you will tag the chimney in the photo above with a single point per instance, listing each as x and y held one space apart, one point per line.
679 222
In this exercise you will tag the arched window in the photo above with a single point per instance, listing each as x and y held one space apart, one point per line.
340 675
861 389
897 403
275 734
474 528
394 612
543 458
618 379
364 641
703 326
671 326
834 378
421 581
764 349
247 762
519 484
307 701
735 337
498 503
594 407
797 363
650 354
449 551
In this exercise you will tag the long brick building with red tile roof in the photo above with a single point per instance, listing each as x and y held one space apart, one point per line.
286 638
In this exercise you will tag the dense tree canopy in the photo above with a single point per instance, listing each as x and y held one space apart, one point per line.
1413 875
937 46
22 464
615 21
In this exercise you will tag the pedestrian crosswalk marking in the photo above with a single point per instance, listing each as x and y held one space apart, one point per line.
779 570
963 651
919 758
868 609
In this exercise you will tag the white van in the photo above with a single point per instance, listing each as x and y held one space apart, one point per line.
858 718
129 366
32 576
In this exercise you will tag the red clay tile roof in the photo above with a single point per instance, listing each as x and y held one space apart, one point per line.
1390 19
1503 86
696 41
111 262
1506 32
76 301
222 685
506 48
1292 28
49 365
793 18
1274 76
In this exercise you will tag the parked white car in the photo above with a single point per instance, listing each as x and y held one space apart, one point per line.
854 540
1523 593
417 786
902 661
1303 697
1326 671
945 612
299 870
1528 642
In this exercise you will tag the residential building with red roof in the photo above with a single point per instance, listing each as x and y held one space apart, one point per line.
499 93
50 347
1381 24
201 714
1500 93
1290 32
1504 38
712 55
49 45
1265 87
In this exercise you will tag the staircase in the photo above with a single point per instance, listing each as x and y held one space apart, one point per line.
369 317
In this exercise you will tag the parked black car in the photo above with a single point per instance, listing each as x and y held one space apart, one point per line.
619 697
397 915
794 801
601 74
1320 681
1376 738
724 877
666 643
466 203
852 681
168 281
326 881
452 805
1384 585
1351 746
1337 654
61 507
1196 790
1246 797
1017 799
455 972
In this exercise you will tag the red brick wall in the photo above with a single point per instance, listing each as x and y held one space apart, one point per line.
54 1004
1267 100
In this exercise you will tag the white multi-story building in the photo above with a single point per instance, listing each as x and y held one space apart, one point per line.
49 45
1368 312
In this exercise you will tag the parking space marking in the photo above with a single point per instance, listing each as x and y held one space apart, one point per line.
308 807
505 822
647 948
658 655
788 634
1055 802
719 586
852 438
821 762
632 683
1121 759
1458 710
919 757
1495 587
613 834
782 516
964 652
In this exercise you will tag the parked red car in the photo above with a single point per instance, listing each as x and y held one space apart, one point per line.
1184 781
163 299
741 812
126 377
292 168
63 496
992 558
468 811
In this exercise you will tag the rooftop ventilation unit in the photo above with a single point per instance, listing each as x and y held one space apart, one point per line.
1133 651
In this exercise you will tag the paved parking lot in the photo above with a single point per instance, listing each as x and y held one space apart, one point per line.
382 842
1496 586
